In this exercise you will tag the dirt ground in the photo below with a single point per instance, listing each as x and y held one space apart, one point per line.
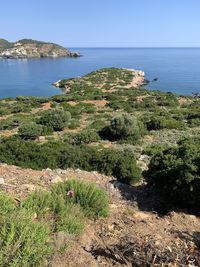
134 234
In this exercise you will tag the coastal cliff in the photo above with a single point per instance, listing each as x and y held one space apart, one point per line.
28 48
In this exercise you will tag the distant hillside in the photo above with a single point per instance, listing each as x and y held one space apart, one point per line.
28 48
4 44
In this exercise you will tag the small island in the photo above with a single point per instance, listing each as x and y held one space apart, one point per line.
28 48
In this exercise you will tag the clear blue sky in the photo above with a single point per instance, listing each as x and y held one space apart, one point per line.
103 23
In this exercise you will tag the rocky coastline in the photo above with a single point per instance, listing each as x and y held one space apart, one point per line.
28 48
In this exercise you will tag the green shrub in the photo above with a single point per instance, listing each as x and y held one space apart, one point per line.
154 124
97 125
86 137
39 202
62 215
126 169
167 99
71 220
121 164
74 124
86 107
175 173
24 242
30 131
30 154
7 124
171 123
67 213
123 126
93 200
57 119
159 122
77 157
106 160
7 204
194 122
154 149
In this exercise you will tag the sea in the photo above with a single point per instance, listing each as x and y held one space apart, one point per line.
174 69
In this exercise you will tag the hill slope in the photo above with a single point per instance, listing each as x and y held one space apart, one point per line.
132 235
77 135
28 48
4 44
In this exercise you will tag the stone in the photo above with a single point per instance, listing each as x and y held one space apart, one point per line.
56 179
60 171
141 216
29 187
2 180
110 188
41 138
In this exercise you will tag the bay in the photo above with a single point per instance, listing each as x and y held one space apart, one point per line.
177 69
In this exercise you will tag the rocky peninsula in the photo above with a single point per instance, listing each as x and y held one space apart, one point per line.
106 80
28 48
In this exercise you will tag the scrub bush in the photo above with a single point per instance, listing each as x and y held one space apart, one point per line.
175 173
57 119
30 131
123 126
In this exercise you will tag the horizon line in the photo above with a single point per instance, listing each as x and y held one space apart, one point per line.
136 47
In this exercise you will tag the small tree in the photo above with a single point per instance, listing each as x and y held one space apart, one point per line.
57 119
123 126
30 131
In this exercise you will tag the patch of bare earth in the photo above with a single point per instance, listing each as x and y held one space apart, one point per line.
134 234
136 82
138 79
141 97
45 106
97 103
8 133
4 117
184 100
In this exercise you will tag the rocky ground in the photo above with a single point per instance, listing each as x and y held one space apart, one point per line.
134 234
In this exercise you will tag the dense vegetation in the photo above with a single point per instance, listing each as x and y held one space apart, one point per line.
57 154
26 230
102 124
4 44
175 173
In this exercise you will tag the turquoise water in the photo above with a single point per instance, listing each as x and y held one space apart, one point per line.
177 69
